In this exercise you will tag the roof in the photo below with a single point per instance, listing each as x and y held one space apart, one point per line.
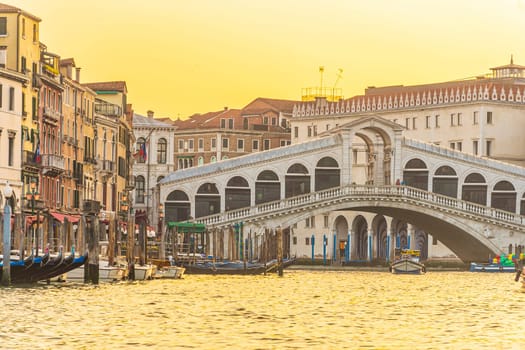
140 121
67 61
262 105
4 8
108 86
210 120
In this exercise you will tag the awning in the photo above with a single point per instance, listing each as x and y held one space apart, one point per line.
30 219
60 217
187 226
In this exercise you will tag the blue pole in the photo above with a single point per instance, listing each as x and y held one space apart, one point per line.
334 258
349 246
369 247
387 248
324 249
398 240
313 246
6 269
408 241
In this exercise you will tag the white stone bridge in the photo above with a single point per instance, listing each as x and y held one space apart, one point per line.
472 205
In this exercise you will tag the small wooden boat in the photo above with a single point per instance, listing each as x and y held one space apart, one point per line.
173 272
144 272
229 268
406 261
105 273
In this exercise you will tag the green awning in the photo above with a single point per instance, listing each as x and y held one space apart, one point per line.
188 227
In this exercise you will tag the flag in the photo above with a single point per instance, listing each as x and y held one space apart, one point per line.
142 152
37 158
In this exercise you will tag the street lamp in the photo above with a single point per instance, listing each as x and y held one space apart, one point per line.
33 196
161 217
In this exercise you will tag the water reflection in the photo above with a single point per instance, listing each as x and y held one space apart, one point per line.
313 310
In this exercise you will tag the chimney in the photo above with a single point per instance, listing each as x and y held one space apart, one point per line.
226 108
77 79
150 114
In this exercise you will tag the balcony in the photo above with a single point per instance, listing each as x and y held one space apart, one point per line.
105 167
130 183
108 109
52 164
51 114
28 159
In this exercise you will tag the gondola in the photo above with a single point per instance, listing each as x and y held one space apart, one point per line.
36 262
227 268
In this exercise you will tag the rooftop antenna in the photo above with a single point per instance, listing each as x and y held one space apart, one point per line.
339 76
321 70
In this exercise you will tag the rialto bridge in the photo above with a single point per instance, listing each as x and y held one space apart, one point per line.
373 188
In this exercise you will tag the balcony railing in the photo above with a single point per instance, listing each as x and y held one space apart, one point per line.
108 109
53 164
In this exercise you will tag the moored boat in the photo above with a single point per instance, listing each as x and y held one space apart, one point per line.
501 263
229 268
406 261
144 272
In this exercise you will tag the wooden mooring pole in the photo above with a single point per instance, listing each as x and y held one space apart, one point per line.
280 251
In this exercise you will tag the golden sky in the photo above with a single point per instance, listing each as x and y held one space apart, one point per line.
180 57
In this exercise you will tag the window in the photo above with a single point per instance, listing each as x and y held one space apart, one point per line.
452 118
475 118
11 98
201 145
230 123
267 144
296 131
315 130
240 145
23 27
427 122
255 145
284 143
3 56
307 241
139 189
223 123
437 121
141 144
181 146
459 146
489 117
190 145
452 145
225 143
265 120
488 150
407 123
459 119
274 121
475 147
307 222
414 123
326 221
162 148
35 39
10 161
3 25
213 143
312 221
309 131
294 240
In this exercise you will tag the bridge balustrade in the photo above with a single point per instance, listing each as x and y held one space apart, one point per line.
363 192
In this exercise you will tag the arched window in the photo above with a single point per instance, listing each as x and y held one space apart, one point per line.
267 187
141 146
504 196
200 161
162 148
327 174
139 189
475 189
415 174
177 206
445 181
297 181
207 200
237 193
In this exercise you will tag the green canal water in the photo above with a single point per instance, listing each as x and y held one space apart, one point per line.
302 310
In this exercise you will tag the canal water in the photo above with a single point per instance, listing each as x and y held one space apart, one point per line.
302 310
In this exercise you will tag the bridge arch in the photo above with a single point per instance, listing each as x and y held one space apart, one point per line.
360 237
445 181
341 228
327 174
380 236
415 174
297 180
207 200
474 189
503 196
267 187
177 206
237 193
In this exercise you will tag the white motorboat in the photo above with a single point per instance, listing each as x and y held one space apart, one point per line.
105 273
144 272
173 272
406 261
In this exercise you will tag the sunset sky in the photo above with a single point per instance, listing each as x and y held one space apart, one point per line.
180 57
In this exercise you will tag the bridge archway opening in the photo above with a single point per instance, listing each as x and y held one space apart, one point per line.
445 181
341 229
267 187
237 193
379 227
360 233
327 174
207 200
177 206
504 196
475 189
415 174
297 181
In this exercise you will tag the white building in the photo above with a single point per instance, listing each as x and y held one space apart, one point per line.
484 116
11 132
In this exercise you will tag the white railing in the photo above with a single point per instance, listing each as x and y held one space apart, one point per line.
364 193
